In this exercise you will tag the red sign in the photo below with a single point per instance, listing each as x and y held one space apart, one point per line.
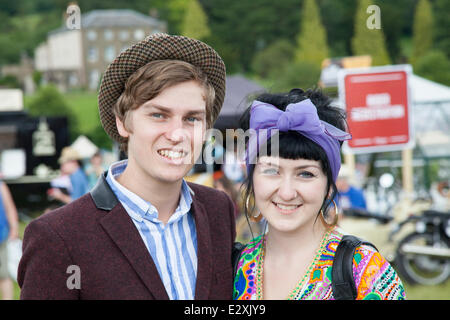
377 105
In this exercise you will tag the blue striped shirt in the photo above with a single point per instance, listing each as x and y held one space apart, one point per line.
173 246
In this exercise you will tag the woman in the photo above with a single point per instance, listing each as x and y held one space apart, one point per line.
292 190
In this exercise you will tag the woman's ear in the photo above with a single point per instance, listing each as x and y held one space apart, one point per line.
330 193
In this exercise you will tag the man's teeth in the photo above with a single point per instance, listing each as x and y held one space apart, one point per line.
171 154
283 207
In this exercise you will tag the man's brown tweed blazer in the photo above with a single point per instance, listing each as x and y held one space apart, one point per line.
96 235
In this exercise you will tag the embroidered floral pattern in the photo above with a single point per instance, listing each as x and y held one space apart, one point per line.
375 278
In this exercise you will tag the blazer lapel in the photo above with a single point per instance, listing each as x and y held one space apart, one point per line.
117 223
204 251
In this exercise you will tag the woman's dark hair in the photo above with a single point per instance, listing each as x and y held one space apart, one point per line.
293 145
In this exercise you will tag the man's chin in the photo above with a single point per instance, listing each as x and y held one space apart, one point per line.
172 175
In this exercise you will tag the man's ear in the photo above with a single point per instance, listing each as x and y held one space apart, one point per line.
121 128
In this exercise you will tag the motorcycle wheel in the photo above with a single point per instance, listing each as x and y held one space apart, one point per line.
421 269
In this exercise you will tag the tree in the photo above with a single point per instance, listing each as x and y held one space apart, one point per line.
270 61
396 17
249 26
442 26
434 65
302 75
337 18
48 101
195 22
422 30
312 40
368 41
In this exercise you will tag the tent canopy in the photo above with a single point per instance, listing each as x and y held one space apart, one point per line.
427 91
239 90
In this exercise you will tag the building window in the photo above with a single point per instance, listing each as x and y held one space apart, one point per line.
73 79
91 35
139 34
108 34
124 35
94 77
92 54
110 53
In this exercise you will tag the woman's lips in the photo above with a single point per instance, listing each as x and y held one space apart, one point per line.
286 208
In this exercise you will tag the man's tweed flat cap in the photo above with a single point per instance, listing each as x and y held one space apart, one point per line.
158 47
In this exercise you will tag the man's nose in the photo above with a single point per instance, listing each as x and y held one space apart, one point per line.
175 131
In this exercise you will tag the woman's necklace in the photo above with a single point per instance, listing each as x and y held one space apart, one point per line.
298 287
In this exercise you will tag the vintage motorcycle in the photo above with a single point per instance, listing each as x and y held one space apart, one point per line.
423 255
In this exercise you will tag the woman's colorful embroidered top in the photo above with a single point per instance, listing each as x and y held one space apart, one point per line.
374 277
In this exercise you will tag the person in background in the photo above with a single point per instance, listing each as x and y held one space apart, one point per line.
233 167
349 196
440 194
70 165
95 168
9 230
222 183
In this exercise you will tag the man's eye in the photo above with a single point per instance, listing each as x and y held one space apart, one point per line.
156 115
193 119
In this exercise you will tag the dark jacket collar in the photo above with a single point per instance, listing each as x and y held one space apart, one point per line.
104 198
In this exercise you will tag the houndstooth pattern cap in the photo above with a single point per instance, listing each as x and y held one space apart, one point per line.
159 46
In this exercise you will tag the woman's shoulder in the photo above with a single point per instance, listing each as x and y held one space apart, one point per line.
337 234
374 277
250 254
253 246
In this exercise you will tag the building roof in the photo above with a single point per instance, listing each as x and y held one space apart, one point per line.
107 18
117 18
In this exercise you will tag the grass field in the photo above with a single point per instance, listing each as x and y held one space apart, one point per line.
84 104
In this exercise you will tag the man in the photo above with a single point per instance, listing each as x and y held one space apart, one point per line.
349 197
70 166
9 230
143 232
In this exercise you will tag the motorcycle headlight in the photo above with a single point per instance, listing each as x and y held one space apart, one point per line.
420 227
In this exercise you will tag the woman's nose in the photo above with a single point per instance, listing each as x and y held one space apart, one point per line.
286 191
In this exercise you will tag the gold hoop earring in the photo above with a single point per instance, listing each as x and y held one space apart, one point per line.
336 216
252 217
256 218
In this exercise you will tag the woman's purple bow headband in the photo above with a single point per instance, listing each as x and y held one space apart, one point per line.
301 117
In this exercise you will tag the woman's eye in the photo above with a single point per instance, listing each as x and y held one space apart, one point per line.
306 174
270 171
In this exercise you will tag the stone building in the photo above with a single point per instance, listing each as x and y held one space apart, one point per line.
76 58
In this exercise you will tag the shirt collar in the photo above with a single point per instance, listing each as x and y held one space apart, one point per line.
139 208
